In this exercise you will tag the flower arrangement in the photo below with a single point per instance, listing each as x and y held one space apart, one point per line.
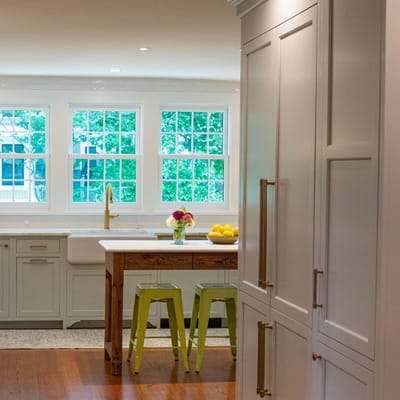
179 220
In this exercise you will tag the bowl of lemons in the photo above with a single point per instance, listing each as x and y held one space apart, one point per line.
223 234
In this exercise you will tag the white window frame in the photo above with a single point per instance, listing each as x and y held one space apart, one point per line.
196 206
95 207
29 205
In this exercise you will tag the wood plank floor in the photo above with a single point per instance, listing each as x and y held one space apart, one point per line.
82 374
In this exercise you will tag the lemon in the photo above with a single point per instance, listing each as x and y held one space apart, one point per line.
227 233
227 227
235 231
216 228
214 234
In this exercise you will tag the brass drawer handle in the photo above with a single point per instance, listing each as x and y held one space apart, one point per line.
316 272
262 259
261 390
38 247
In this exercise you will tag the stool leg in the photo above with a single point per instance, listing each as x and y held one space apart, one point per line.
181 330
204 313
193 322
143 313
133 327
231 313
173 328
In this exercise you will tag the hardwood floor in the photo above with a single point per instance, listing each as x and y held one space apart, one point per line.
82 374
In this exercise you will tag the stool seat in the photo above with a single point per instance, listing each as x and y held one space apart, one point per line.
205 295
145 294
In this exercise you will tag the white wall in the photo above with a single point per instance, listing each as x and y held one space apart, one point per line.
388 379
149 94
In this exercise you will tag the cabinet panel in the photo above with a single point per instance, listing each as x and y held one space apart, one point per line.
290 358
85 292
349 281
38 246
250 348
294 227
258 153
341 378
38 292
356 64
4 278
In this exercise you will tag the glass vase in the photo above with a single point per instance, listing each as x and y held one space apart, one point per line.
178 235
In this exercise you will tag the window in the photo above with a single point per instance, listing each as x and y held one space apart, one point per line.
104 148
193 156
23 154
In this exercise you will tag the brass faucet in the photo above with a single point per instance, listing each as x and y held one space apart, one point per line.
109 200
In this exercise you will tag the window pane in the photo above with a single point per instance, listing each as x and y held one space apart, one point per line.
112 121
200 144
38 121
128 169
168 121
185 122
184 144
185 169
79 191
200 191
40 191
185 191
128 144
96 121
169 167
216 144
169 191
217 192
128 121
96 169
38 143
217 169
200 121
201 169
96 191
168 145
113 169
80 120
112 143
128 192
216 122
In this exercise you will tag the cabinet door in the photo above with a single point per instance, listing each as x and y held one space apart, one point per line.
349 177
4 278
295 168
291 359
341 378
254 337
257 151
38 287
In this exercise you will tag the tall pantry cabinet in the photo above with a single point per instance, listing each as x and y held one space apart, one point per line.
309 199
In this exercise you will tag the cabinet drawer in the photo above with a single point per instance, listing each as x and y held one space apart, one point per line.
158 261
39 246
210 261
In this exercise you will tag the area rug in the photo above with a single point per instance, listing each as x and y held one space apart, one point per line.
91 338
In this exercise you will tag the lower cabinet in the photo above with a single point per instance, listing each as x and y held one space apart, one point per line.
85 293
274 354
4 278
38 287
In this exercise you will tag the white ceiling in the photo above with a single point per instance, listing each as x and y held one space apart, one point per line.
193 39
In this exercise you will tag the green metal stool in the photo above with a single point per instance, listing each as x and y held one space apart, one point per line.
205 295
147 293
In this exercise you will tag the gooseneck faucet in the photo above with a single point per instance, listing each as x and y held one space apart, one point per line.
109 199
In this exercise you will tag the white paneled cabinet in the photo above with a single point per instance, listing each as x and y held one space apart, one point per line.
4 278
308 272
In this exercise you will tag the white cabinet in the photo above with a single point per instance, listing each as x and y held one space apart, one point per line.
85 292
37 272
308 272
4 278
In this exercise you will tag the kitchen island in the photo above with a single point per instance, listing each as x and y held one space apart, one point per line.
124 255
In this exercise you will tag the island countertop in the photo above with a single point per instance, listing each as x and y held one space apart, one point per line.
141 246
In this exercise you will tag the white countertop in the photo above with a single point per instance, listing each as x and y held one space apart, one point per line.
165 246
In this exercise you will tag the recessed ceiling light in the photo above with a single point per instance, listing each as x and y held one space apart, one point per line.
115 69
143 48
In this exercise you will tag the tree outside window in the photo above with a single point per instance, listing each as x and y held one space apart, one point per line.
193 156
104 143
23 154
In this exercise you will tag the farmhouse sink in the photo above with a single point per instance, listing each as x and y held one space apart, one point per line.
83 244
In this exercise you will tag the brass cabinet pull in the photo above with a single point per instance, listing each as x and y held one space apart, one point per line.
316 356
262 259
261 390
38 261
37 246
315 283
